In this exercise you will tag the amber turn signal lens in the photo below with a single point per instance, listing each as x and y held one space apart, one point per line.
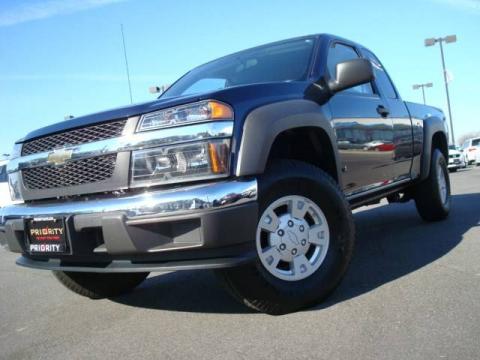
217 153
220 110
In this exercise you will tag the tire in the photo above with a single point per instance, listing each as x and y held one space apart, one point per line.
98 286
267 288
430 203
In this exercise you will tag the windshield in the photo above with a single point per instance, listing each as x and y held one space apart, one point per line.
287 61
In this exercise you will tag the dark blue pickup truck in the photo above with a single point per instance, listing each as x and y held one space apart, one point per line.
249 164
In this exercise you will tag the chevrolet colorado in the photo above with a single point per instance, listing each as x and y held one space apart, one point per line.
249 165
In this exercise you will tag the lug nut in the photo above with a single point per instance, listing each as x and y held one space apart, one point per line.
302 228
281 232
294 251
290 223
304 242
283 246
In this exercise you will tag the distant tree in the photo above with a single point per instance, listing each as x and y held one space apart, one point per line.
467 136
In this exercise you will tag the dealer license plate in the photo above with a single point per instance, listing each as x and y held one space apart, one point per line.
47 235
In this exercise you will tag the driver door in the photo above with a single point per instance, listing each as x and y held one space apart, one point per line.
363 128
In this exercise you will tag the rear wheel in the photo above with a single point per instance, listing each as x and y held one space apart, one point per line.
432 196
97 285
304 241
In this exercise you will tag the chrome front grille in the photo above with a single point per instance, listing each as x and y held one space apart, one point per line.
75 137
73 173
95 167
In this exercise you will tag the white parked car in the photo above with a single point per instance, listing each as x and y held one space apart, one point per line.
456 159
471 148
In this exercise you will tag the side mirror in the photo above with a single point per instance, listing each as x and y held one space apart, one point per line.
350 74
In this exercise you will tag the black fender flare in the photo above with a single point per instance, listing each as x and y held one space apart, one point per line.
431 126
264 124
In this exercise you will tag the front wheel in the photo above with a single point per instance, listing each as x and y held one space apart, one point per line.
432 196
304 241
97 285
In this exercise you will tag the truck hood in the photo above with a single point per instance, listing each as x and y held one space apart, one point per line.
112 114
245 98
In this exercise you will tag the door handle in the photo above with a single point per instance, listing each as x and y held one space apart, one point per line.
383 111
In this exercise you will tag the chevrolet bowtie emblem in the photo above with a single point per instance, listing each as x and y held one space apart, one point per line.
59 156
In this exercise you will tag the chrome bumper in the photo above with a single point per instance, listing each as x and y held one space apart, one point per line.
204 226
154 203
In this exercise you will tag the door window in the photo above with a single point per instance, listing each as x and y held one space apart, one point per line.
381 77
339 53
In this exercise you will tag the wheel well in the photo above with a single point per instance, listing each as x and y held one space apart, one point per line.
309 144
439 141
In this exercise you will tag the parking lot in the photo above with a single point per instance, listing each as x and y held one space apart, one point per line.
411 292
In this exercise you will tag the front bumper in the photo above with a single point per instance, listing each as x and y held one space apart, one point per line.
203 226
455 163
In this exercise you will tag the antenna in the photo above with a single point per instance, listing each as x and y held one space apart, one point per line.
126 64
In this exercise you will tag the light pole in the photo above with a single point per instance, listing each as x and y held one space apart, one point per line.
447 39
422 86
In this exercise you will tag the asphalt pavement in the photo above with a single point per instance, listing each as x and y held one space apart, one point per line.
411 292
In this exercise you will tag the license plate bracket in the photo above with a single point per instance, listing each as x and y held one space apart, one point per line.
47 235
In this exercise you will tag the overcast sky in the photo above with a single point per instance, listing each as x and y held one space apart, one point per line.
61 57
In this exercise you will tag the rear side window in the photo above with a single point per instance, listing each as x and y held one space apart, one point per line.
339 53
476 142
381 77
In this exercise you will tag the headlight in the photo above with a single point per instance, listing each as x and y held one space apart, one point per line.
16 151
185 114
171 164
13 179
14 187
